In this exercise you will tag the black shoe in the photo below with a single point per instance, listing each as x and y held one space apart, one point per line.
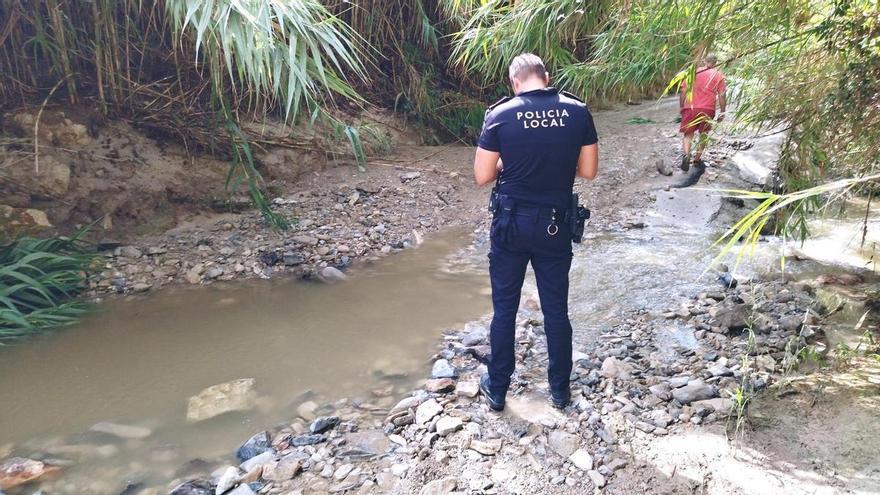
495 403
685 163
560 402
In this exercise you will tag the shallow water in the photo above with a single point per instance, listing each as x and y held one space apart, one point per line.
138 360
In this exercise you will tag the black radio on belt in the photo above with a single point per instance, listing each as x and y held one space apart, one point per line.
578 219
493 198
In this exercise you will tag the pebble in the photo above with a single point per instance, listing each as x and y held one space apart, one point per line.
323 424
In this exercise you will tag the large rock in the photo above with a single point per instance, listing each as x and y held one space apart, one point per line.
254 446
757 163
51 180
563 443
17 471
693 391
733 318
237 395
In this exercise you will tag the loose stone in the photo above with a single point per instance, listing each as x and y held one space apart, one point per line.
581 459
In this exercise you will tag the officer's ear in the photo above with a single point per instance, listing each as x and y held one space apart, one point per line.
547 78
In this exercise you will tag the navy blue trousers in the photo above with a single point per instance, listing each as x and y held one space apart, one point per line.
517 240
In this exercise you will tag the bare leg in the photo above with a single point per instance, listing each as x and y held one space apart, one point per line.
686 142
686 152
702 142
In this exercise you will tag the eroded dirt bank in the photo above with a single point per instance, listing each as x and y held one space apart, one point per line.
660 352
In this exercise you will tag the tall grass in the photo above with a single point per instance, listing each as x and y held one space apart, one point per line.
184 69
38 279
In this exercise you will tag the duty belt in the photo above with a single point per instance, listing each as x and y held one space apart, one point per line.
505 204
576 215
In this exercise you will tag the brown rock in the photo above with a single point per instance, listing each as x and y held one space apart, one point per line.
282 470
440 385
17 471
488 447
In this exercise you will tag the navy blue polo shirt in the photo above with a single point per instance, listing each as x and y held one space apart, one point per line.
539 134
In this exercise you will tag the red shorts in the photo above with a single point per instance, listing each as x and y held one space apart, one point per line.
696 119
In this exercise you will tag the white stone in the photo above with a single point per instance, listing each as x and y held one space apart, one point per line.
581 459
427 410
447 425
467 389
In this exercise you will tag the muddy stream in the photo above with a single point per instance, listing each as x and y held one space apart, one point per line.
137 361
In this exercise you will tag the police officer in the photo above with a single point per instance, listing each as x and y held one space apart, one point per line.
534 144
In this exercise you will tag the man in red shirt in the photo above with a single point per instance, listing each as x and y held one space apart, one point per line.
698 110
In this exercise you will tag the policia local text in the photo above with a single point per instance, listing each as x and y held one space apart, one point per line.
542 118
